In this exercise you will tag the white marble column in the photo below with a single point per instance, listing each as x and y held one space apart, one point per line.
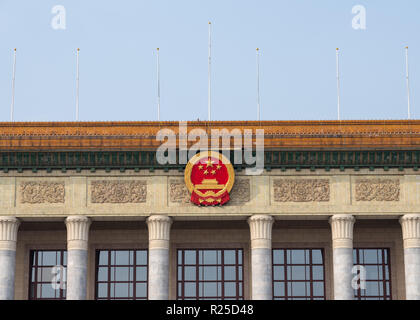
261 262
159 232
410 224
342 242
77 256
8 236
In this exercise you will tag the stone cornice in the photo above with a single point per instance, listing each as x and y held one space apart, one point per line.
410 224
279 135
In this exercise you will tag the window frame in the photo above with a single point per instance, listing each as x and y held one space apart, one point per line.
222 265
34 252
311 281
383 264
109 265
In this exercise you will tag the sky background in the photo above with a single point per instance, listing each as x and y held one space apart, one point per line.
297 39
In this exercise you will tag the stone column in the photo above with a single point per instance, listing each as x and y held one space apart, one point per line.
77 256
159 231
342 242
410 224
261 261
8 236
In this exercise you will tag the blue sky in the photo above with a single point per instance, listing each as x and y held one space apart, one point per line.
118 40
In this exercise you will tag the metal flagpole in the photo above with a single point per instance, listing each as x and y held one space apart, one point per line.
338 84
258 84
158 85
209 76
77 84
408 82
12 106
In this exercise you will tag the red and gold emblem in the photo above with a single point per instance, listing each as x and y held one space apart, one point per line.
209 177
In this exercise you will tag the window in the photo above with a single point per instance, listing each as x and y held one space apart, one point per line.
47 276
210 274
378 282
298 274
121 274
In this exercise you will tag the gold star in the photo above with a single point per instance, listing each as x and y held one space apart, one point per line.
205 171
209 162
218 166
213 171
200 166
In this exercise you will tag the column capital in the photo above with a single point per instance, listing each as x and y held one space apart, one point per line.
77 232
261 229
8 232
410 224
159 231
342 230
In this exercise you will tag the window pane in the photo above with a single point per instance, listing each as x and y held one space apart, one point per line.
230 256
318 273
317 257
190 257
230 273
279 289
230 289
141 290
141 257
103 257
318 288
141 274
297 257
278 273
102 274
102 290
278 256
190 289
210 257
122 258
190 273
370 256
49 258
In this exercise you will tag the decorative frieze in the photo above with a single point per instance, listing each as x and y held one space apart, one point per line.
178 191
42 192
301 190
116 191
377 190
241 192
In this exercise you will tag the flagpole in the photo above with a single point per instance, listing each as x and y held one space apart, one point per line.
77 84
338 84
408 82
258 84
12 106
158 84
209 76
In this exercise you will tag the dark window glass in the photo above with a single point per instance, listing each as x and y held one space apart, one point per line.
47 276
298 274
376 265
121 275
210 274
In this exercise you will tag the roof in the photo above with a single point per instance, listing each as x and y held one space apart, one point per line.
278 135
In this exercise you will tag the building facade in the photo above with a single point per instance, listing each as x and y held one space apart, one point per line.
87 212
